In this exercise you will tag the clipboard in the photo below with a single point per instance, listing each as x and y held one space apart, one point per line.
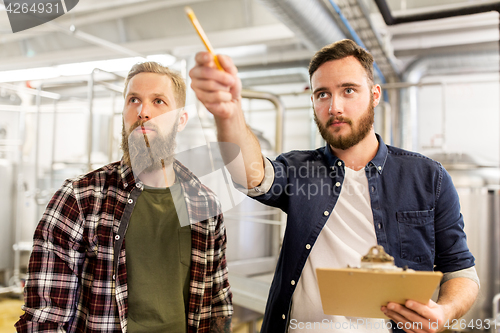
359 292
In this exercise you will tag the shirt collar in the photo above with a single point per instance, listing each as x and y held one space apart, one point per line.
377 162
183 173
127 175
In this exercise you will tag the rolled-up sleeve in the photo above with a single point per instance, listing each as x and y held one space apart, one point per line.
467 273
266 183
452 252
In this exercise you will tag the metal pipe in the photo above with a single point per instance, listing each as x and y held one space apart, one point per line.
399 85
30 91
496 312
280 112
462 10
73 31
443 115
309 20
111 127
53 153
90 119
19 200
37 141
357 40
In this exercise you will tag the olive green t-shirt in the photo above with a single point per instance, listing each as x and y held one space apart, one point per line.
158 253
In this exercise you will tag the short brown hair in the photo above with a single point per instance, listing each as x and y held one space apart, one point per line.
339 50
153 67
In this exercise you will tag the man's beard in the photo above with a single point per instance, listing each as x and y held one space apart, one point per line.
145 153
357 134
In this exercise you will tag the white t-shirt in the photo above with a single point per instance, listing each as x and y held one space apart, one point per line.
346 237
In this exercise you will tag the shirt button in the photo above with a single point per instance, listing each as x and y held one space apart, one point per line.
339 163
256 189
117 237
125 185
114 278
326 213
308 246
333 168
130 201
380 168
379 225
283 316
138 185
293 282
337 184
373 189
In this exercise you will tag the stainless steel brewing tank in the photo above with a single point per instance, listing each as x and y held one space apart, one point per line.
252 228
479 192
6 214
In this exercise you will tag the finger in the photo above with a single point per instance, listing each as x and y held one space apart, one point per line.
424 310
213 97
401 322
204 59
404 311
409 320
209 73
208 85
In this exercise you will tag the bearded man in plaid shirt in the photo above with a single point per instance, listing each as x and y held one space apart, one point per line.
137 245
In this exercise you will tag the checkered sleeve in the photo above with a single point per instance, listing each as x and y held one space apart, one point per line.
50 293
221 293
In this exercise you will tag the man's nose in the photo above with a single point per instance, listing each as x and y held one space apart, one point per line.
335 106
144 112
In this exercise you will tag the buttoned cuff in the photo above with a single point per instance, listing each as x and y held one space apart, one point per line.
468 273
264 186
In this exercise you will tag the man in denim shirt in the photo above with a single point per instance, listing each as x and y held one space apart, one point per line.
342 199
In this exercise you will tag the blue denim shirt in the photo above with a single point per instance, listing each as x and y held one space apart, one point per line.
416 214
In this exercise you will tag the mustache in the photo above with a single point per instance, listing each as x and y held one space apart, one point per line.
140 123
338 118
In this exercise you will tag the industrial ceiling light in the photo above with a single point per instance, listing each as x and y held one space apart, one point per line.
82 68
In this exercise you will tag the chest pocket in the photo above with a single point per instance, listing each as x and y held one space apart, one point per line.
416 235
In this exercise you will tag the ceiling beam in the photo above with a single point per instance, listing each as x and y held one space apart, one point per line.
94 17
180 46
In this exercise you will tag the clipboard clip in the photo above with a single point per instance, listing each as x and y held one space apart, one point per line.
378 259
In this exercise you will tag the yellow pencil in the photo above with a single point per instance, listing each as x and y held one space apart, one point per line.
202 35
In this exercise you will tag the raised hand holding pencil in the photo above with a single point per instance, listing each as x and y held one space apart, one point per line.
202 35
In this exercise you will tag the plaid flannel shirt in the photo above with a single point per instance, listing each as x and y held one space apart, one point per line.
77 278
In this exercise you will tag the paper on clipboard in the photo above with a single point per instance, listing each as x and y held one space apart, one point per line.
355 292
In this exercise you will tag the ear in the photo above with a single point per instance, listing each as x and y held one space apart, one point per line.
183 119
377 94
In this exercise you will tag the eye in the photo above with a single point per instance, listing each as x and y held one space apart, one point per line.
134 100
159 101
322 95
349 91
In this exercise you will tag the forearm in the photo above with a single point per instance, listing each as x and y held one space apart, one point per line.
248 168
457 296
220 325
